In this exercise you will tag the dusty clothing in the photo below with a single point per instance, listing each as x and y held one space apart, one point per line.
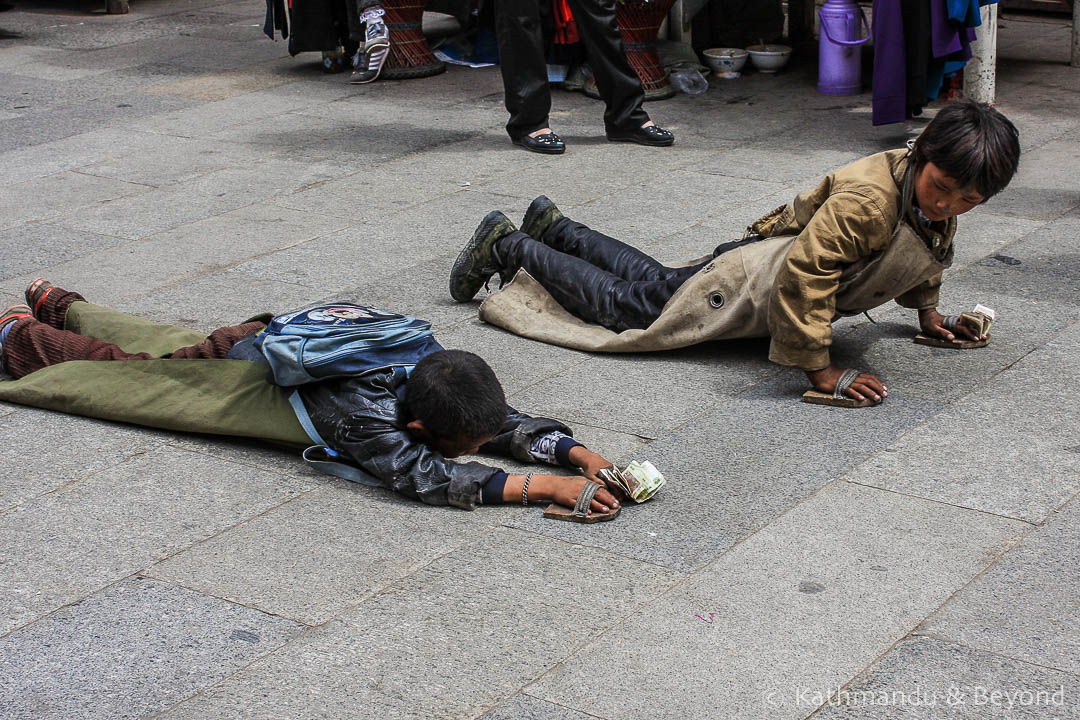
849 245
220 397
206 391
522 64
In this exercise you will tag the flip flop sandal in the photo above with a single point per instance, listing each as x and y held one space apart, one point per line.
580 513
957 344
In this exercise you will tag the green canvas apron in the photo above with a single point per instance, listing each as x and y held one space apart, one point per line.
218 397
727 299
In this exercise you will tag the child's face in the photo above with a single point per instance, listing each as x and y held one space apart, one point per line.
460 445
940 197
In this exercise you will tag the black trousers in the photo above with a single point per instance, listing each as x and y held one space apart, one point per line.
595 277
524 70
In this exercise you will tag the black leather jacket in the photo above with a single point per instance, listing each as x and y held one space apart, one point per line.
364 419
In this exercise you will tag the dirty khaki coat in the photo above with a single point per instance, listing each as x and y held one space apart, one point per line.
849 245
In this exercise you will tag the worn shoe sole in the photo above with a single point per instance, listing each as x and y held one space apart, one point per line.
474 264
539 217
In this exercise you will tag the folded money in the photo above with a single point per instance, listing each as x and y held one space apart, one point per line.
979 319
639 481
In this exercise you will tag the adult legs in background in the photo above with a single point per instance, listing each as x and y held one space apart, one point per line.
369 31
523 67
616 81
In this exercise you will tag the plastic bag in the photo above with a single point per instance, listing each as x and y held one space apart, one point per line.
689 81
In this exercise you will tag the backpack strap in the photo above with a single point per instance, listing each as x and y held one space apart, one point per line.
320 456
316 458
305 419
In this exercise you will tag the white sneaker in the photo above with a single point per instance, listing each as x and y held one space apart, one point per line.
372 55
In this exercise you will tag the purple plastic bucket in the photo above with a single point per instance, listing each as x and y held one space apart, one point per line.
839 50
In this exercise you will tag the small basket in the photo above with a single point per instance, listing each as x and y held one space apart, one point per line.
640 23
410 56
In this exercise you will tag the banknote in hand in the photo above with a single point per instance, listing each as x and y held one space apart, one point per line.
639 481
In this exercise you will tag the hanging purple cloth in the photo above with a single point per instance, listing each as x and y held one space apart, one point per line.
890 70
948 37
950 43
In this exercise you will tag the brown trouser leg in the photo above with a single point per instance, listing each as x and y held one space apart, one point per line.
32 344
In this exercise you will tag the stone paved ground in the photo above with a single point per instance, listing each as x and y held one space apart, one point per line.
908 561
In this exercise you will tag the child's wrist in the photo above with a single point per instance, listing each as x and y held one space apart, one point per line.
541 488
584 458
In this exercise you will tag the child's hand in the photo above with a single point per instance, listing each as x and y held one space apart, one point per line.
864 386
930 323
566 489
589 462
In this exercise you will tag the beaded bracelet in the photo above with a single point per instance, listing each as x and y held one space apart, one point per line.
525 490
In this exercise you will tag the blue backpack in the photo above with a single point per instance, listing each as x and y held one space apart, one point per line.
339 340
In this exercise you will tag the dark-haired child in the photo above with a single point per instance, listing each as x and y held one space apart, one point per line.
876 230
398 422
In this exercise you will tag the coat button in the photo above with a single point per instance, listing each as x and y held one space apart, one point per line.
716 299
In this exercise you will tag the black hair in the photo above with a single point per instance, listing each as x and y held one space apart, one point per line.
455 393
973 144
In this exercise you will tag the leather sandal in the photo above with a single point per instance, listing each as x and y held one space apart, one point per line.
652 135
548 143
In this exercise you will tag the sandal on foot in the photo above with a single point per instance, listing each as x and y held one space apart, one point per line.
580 512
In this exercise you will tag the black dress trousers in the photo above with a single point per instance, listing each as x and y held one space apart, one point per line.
524 70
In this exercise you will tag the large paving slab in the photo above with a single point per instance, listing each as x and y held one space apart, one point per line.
315 557
165 643
928 679
983 232
648 394
810 600
1039 576
999 451
76 152
369 252
78 448
45 245
1025 321
524 707
67 191
63 546
238 296
450 640
640 215
736 467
